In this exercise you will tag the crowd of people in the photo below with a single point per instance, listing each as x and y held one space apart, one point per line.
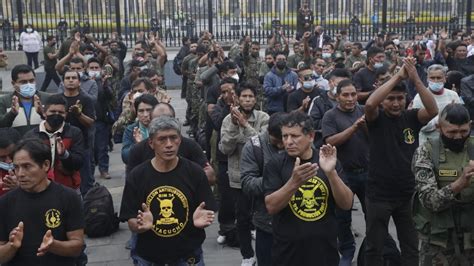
278 146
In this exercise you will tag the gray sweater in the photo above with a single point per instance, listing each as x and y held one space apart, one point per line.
233 138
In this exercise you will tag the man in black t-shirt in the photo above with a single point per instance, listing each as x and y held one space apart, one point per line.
365 78
170 194
301 191
344 127
301 98
41 221
81 114
393 135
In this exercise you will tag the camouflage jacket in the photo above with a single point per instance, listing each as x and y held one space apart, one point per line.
431 196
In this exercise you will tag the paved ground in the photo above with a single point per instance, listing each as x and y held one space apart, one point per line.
111 250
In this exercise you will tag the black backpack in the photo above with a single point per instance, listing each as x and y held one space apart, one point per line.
99 216
177 61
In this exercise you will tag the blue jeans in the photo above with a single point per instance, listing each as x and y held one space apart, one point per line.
356 181
180 262
263 248
101 146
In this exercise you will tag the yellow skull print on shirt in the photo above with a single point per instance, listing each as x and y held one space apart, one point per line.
310 201
170 210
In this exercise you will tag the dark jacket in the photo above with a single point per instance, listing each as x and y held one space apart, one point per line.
221 110
467 93
66 169
319 106
252 176
272 85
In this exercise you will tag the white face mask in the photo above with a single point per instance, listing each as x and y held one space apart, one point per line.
29 30
396 42
378 65
94 74
235 76
137 94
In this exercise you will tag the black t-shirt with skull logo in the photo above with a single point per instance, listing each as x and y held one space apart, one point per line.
305 230
172 198
57 208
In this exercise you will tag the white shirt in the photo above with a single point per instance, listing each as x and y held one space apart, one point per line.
31 42
442 100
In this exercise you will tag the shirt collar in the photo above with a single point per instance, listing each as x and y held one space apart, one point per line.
42 128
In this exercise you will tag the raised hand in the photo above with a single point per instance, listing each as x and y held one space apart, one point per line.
327 158
16 236
201 217
45 244
9 181
60 147
306 102
76 108
306 35
137 135
302 172
144 219
15 105
37 104
360 122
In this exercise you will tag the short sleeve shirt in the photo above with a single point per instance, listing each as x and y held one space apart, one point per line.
172 198
57 208
393 140
354 153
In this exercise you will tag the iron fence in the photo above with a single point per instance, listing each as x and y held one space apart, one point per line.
228 20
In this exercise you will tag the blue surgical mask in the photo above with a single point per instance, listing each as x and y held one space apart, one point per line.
435 86
28 90
6 166
309 84
378 65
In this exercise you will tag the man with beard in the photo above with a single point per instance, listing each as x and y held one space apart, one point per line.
242 123
443 212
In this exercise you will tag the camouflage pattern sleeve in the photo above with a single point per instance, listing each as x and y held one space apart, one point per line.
431 196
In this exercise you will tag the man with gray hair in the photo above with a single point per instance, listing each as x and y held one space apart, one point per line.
443 96
170 194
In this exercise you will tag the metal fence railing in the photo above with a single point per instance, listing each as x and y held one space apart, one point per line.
228 20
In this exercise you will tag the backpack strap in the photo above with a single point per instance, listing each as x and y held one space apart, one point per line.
257 152
435 152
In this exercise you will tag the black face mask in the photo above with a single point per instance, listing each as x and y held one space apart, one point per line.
455 145
281 65
270 65
55 121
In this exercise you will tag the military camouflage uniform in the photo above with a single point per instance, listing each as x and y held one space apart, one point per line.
194 94
126 117
433 200
190 79
251 70
294 59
